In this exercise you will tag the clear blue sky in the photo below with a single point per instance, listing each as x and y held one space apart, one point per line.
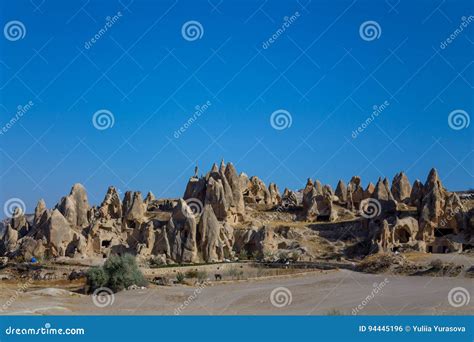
320 70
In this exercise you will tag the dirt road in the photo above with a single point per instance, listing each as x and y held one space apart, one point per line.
315 293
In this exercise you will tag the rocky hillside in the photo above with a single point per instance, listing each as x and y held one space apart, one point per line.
224 214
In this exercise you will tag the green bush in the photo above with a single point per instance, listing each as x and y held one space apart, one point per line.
180 278
118 273
96 277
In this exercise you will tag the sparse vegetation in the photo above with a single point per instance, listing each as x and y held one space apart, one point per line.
283 256
295 256
235 273
156 262
376 263
243 255
118 273
436 264
191 274
180 278
334 312
202 276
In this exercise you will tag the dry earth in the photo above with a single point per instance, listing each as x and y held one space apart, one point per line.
313 293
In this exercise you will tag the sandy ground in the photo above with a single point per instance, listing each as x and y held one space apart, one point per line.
314 293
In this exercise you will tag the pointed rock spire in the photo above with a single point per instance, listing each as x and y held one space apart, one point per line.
401 188
341 191
39 210
75 206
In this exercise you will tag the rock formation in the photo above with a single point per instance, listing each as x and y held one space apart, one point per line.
257 192
401 188
181 230
75 206
341 191
223 214
275 197
355 193
384 196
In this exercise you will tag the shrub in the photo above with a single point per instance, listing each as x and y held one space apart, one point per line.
437 264
201 276
123 272
156 262
283 256
96 277
180 278
118 273
234 273
243 254
295 256
376 263
334 312
191 274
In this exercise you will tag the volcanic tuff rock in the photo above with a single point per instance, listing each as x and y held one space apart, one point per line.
401 188
383 194
133 208
181 231
223 214
257 193
75 206
289 199
369 191
58 233
416 194
318 202
355 193
275 197
233 178
216 239
341 191
111 207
